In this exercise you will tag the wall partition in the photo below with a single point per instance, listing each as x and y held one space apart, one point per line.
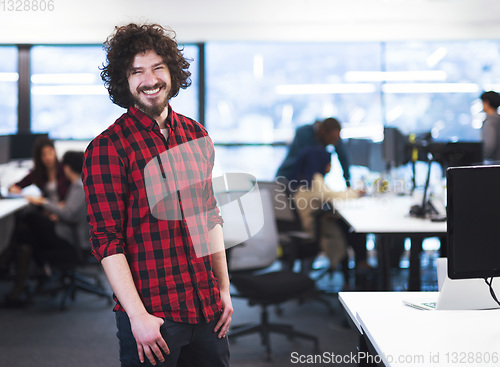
8 89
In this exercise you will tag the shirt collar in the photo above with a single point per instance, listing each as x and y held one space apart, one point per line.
148 122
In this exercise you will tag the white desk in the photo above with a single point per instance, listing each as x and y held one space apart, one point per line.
403 336
388 215
385 214
10 206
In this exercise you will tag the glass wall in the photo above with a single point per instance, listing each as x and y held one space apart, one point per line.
435 86
260 92
69 99
8 90
257 93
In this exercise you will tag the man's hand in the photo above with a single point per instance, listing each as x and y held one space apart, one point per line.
146 330
225 318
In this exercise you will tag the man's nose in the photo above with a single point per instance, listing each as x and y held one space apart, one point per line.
150 78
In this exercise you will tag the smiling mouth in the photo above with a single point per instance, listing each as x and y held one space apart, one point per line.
151 91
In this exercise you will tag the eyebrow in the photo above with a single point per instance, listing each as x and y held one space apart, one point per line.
141 67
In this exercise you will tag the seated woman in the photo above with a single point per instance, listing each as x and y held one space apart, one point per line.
64 227
312 194
47 173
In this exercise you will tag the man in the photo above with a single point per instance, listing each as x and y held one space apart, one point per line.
491 126
321 133
151 206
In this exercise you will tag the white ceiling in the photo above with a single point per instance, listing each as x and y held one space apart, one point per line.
90 21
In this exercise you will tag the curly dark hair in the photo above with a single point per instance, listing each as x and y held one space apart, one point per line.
129 40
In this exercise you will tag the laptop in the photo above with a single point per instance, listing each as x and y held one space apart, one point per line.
456 294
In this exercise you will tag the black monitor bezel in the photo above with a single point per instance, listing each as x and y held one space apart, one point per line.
453 271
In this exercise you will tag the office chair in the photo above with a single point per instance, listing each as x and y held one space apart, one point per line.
298 245
253 279
69 278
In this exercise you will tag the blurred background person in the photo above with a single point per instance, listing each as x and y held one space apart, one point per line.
48 176
55 231
491 126
311 194
319 134
47 173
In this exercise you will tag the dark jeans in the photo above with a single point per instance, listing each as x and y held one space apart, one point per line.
191 345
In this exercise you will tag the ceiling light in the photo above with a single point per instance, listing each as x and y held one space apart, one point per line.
340 88
9 77
397 88
393 76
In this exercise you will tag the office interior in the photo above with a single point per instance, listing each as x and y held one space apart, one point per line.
403 78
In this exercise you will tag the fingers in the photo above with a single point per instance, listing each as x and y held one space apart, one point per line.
152 351
158 353
224 322
140 351
163 345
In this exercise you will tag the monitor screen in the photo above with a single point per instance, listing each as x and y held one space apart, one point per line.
365 152
454 154
4 149
395 148
21 145
473 210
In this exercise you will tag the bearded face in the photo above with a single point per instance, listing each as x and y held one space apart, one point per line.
149 82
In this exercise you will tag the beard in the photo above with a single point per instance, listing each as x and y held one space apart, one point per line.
155 109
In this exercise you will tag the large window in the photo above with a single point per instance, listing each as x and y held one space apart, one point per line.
8 89
68 96
435 86
260 92
255 94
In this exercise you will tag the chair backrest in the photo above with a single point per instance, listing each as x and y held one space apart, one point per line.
289 222
259 251
286 215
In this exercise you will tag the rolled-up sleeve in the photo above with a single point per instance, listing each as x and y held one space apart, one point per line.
104 180
213 212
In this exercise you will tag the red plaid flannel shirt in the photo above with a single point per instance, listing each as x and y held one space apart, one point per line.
153 201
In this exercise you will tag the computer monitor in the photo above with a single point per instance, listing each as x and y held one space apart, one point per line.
473 210
455 154
21 145
395 147
366 153
4 149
